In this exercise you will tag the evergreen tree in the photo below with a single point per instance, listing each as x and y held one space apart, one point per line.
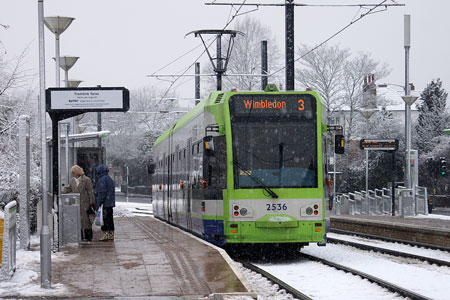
433 117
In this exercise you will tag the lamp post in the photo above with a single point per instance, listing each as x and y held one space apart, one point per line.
46 258
409 100
66 63
73 83
57 25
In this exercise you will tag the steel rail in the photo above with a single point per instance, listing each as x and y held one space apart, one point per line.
387 239
387 285
296 293
390 252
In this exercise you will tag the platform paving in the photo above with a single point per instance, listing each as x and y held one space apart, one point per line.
148 259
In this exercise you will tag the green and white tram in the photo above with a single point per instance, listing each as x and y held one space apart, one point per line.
246 167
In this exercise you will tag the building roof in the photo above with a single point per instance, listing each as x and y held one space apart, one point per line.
392 99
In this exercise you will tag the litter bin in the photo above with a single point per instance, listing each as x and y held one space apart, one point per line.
70 218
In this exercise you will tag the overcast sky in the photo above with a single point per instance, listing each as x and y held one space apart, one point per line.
120 42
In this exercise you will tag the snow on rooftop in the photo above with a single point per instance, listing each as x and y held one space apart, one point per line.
392 99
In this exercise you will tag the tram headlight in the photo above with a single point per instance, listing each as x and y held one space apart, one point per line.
309 211
243 211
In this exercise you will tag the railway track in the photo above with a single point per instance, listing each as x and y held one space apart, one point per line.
387 239
299 295
387 285
390 252
283 285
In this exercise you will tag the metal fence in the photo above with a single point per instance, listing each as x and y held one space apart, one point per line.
407 202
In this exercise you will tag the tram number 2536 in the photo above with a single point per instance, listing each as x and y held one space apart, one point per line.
276 206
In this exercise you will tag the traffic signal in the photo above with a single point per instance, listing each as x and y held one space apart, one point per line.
339 144
442 166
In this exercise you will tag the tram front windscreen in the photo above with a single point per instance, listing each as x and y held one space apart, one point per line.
274 140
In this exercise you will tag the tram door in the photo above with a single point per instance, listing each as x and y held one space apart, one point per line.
164 182
176 180
188 199
170 169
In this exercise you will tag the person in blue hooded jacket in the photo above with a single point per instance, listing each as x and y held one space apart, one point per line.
106 197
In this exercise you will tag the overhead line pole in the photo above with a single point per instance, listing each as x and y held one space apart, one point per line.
264 69
197 83
290 51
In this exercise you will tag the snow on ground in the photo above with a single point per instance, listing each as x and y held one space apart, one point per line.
131 209
26 279
321 282
437 254
428 280
433 216
313 278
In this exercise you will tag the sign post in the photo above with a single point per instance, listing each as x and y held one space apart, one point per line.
383 145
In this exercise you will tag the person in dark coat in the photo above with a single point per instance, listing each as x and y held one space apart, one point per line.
106 197
82 184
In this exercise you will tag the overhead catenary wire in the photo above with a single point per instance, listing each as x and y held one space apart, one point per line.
366 6
370 11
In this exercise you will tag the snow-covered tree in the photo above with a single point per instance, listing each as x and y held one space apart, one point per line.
433 117
246 57
355 70
323 70
15 100
134 132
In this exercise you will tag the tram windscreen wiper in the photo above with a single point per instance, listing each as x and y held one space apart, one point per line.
256 179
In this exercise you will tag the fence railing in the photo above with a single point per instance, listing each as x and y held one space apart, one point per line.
407 202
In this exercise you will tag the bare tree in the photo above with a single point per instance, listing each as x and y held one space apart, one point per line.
246 57
323 70
134 132
12 73
355 69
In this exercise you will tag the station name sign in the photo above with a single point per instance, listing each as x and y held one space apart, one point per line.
387 145
87 99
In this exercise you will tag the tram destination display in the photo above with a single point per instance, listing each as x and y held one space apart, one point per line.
256 104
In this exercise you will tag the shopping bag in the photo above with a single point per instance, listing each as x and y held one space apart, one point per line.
99 216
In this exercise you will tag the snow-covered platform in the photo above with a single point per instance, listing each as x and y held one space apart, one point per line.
422 229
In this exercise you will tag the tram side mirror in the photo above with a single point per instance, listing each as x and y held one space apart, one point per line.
339 144
208 144
151 169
